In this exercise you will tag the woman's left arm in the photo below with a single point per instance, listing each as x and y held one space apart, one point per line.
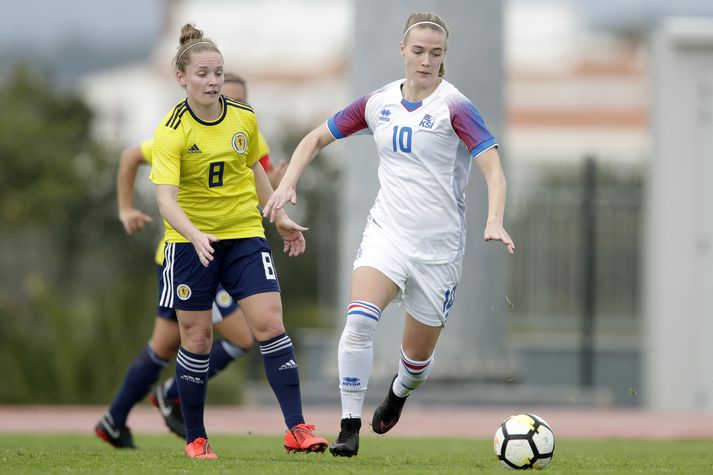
290 231
490 166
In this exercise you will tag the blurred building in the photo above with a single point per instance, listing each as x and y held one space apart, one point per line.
294 63
573 92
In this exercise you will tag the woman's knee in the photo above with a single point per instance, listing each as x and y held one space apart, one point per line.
268 326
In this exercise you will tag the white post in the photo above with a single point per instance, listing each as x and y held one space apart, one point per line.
678 239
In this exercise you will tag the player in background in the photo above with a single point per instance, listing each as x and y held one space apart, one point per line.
412 247
209 184
164 342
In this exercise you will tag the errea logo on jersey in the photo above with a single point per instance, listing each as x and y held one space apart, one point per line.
385 113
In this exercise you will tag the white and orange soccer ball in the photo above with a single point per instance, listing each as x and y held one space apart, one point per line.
524 441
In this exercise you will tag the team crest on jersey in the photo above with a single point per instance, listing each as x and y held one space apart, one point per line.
183 292
427 121
223 299
240 142
385 115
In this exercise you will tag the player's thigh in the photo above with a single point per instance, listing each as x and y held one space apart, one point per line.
249 276
235 329
380 272
419 340
196 328
372 285
263 312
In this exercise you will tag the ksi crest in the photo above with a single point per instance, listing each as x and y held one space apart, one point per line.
427 121
240 142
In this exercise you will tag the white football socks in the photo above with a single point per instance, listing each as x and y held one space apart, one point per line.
412 374
356 354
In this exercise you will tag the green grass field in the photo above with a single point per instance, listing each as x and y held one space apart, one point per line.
251 455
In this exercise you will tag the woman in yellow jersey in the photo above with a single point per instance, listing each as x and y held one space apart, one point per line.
209 184
165 339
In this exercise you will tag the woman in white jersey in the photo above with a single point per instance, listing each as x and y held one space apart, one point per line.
414 240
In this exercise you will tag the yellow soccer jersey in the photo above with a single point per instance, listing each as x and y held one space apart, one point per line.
209 161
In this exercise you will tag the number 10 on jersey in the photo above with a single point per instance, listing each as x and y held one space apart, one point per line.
401 140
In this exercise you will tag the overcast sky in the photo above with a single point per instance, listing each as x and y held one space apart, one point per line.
73 37
34 22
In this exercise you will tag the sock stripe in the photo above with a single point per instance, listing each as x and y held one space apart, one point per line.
193 364
280 344
366 304
365 309
365 314
415 367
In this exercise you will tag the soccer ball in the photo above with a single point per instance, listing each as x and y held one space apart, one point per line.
524 441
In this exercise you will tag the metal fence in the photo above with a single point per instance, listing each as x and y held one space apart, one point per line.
548 285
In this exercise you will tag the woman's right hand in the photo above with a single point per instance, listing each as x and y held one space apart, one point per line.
203 246
133 220
283 194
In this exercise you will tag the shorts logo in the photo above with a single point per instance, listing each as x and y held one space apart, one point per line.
223 299
183 292
449 299
240 142
360 252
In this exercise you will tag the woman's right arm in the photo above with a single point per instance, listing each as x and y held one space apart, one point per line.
131 218
305 152
167 197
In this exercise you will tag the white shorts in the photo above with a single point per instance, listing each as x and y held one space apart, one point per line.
427 290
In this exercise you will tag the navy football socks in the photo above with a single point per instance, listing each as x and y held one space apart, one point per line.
278 357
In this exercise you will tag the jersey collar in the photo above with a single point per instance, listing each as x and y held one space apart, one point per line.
216 121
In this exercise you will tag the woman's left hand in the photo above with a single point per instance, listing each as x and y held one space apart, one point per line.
496 232
291 233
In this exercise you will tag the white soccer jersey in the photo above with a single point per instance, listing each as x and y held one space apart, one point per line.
425 151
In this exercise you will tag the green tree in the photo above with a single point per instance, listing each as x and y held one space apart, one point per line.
73 292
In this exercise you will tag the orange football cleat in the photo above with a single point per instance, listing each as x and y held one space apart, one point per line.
199 449
301 439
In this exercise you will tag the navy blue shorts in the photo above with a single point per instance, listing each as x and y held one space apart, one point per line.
243 266
223 305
